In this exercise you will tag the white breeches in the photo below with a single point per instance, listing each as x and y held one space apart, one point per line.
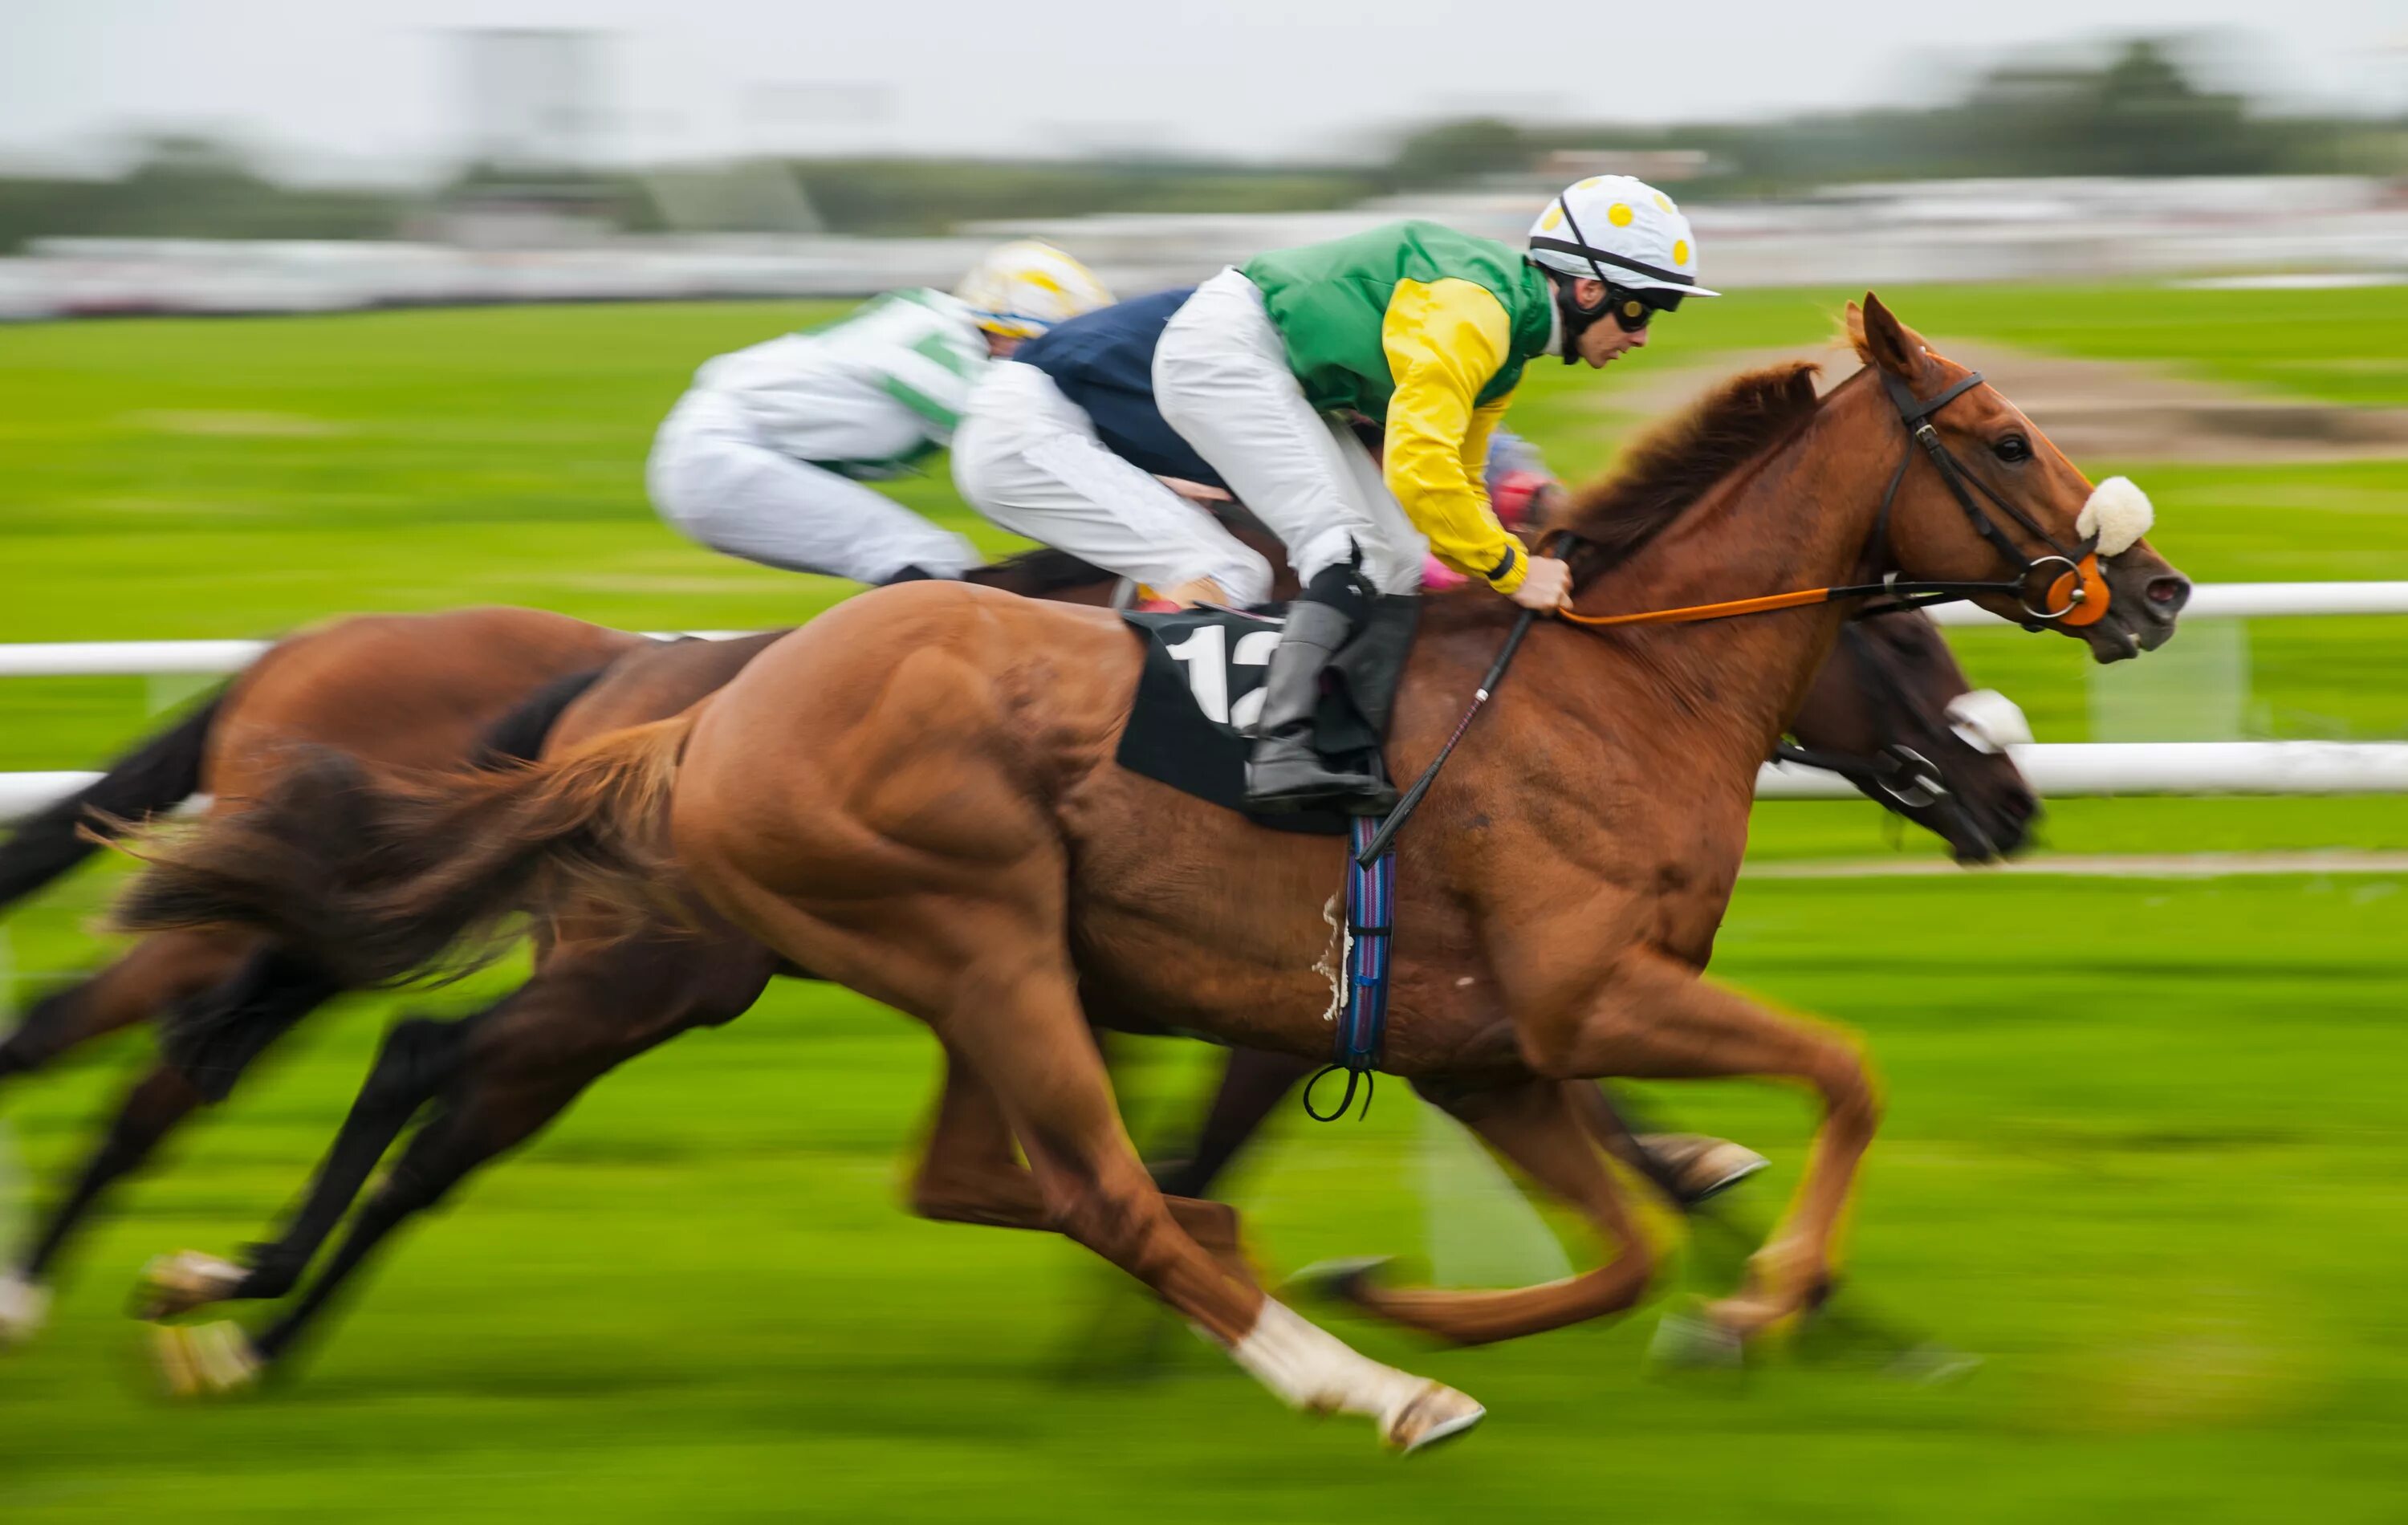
1028 458
712 476
1221 376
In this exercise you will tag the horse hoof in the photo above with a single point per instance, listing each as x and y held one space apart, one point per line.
1931 1364
1702 1168
1333 1281
24 1306
1692 1340
206 1360
178 1283
1437 1412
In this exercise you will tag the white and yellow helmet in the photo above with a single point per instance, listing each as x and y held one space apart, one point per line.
1622 231
1022 288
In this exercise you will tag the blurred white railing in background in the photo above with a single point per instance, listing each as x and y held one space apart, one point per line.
2064 770
2059 770
144 658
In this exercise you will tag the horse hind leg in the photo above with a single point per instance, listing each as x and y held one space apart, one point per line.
1035 1049
1537 1126
969 1172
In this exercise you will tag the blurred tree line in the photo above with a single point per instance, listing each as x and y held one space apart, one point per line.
2138 112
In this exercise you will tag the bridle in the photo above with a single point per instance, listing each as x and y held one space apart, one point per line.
2076 596
2073 592
1896 770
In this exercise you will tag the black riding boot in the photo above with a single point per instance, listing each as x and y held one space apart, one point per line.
1285 773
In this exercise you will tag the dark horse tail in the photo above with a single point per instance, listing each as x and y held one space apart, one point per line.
160 773
379 882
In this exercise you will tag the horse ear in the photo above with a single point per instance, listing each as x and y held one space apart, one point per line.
1880 340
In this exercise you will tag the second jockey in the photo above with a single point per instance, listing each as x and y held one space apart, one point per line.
767 455
1425 331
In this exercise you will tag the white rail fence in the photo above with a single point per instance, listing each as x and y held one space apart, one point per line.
2059 770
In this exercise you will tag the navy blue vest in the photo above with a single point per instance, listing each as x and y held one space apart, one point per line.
1103 361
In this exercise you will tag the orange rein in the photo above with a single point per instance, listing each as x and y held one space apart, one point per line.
2082 591
1798 599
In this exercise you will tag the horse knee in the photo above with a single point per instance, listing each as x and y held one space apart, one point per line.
419 1056
1851 1093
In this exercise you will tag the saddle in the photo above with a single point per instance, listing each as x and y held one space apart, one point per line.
1191 723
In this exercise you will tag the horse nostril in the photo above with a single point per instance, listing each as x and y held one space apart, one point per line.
2168 593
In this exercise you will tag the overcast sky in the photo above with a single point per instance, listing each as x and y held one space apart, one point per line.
348 86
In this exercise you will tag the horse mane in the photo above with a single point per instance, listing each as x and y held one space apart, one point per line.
1677 462
1037 572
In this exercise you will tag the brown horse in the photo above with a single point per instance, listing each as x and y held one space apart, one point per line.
496 1076
408 691
405 693
914 795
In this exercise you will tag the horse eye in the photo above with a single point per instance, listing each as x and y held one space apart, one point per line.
2014 447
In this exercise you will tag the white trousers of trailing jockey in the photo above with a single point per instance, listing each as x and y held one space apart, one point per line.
1221 376
1028 458
714 476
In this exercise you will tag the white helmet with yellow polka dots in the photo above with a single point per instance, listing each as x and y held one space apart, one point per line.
1624 232
1020 289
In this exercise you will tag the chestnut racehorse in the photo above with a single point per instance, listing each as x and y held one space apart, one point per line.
915 796
491 1079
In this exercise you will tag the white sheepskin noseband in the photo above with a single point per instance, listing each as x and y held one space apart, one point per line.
2118 514
1989 720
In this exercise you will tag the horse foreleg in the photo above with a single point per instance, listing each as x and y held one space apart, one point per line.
1537 1125
418 1057
1653 1018
1252 1082
519 1064
160 969
157 1103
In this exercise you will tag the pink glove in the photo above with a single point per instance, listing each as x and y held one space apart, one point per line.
1437 576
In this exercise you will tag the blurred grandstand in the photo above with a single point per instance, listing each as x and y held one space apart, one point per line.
2122 167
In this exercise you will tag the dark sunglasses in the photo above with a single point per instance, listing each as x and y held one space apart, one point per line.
1634 310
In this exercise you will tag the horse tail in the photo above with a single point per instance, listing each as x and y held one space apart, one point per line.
161 772
380 883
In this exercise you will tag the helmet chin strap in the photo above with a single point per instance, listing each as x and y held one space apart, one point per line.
1575 318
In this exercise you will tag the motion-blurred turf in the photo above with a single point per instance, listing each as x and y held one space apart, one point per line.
2143 1149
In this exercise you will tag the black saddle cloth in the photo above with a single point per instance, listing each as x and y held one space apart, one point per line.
1192 723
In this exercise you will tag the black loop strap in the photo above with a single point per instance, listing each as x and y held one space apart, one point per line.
1366 1078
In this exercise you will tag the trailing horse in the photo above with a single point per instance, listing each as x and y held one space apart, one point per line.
399 693
915 796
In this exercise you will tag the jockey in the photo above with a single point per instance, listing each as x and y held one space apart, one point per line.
1425 331
1062 443
765 455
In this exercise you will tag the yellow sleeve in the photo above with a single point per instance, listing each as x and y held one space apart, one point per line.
1445 340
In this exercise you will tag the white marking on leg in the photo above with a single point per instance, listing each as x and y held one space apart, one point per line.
1311 1369
23 1306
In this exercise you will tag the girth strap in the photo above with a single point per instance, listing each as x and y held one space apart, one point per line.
1369 944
